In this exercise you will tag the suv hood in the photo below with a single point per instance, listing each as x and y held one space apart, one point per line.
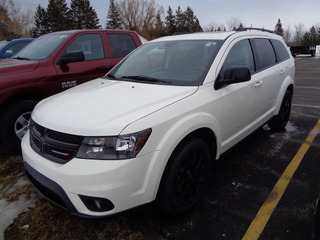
12 66
104 107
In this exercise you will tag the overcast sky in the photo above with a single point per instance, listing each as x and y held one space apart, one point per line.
255 13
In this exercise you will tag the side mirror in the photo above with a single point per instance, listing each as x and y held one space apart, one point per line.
74 56
233 75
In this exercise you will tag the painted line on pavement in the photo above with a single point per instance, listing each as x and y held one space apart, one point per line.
302 105
315 88
260 221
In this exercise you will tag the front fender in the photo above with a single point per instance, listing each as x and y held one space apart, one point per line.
166 138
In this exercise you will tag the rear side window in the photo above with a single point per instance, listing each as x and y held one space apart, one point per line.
121 44
266 56
90 45
240 55
282 53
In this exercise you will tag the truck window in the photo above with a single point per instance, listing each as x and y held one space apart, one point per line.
282 53
266 55
121 44
90 45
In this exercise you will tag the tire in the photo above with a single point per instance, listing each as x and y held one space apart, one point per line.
279 122
185 177
14 123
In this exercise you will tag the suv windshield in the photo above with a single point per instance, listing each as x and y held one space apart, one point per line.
42 47
183 63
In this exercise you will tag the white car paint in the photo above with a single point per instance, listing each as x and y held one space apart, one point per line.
111 108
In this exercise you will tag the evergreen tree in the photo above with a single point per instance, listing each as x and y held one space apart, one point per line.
189 20
83 15
170 23
58 16
180 20
113 17
197 27
278 28
159 29
40 23
311 38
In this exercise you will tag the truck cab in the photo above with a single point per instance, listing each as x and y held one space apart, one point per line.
50 64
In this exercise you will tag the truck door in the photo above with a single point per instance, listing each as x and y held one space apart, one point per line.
95 63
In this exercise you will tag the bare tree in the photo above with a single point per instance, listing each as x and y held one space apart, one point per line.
21 22
233 23
139 15
298 33
213 27
287 35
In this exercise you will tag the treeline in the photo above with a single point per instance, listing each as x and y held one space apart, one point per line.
142 16
145 17
58 16
299 36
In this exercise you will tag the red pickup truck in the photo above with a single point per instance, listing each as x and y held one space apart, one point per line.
51 64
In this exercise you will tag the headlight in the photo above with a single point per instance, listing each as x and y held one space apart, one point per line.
113 148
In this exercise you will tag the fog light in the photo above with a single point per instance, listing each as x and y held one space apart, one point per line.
97 204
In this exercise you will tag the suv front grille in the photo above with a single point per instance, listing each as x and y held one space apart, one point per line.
55 146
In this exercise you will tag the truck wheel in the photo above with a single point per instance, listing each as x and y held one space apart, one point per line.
185 177
279 122
14 123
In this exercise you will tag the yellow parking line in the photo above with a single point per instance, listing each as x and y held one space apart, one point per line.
265 212
309 106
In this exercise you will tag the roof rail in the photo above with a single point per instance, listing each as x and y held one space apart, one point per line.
180 33
240 29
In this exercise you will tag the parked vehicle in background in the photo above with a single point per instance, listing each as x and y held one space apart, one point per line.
297 50
50 64
151 127
10 47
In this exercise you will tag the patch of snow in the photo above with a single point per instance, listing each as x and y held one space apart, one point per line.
10 210
291 128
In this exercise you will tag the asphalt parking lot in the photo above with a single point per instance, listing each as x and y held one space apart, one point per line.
266 187
243 180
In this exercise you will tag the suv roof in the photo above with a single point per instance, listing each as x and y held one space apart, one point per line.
220 35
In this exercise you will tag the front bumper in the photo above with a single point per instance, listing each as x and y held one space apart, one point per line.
125 183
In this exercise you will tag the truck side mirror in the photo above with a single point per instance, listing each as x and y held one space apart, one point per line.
69 57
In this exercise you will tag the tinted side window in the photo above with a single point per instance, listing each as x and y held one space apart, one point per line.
121 44
266 55
281 50
90 45
240 55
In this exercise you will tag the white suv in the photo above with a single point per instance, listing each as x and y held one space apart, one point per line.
151 127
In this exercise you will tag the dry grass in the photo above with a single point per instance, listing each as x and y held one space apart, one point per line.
46 221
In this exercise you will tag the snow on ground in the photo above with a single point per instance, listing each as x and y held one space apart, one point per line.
10 210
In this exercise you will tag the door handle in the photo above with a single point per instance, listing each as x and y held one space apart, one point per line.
258 84
282 71
103 68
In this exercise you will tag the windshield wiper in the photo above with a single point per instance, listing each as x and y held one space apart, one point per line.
145 78
21 58
111 75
